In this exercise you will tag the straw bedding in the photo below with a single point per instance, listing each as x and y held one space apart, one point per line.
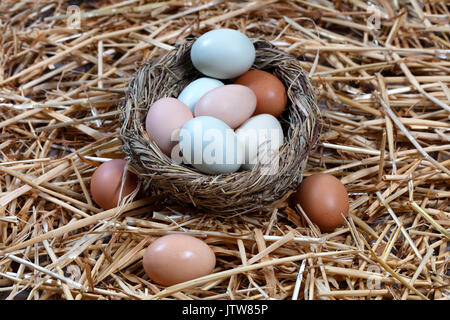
381 79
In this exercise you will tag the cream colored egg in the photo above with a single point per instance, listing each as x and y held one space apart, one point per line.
261 136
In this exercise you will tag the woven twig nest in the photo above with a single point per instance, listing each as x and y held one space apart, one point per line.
238 192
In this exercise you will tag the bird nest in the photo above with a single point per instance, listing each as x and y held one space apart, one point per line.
239 192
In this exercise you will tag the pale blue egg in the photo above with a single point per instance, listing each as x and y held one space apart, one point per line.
211 146
197 89
223 53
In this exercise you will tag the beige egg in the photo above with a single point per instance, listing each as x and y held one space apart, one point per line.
177 258
232 103
164 120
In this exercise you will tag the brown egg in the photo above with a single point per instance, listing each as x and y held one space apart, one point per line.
107 181
323 198
177 258
270 92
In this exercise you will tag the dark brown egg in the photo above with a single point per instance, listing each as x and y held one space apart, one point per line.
323 198
270 92
107 181
178 258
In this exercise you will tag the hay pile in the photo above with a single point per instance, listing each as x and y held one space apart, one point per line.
382 81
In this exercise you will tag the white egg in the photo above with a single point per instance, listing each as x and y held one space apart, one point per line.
223 53
197 89
261 136
211 146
